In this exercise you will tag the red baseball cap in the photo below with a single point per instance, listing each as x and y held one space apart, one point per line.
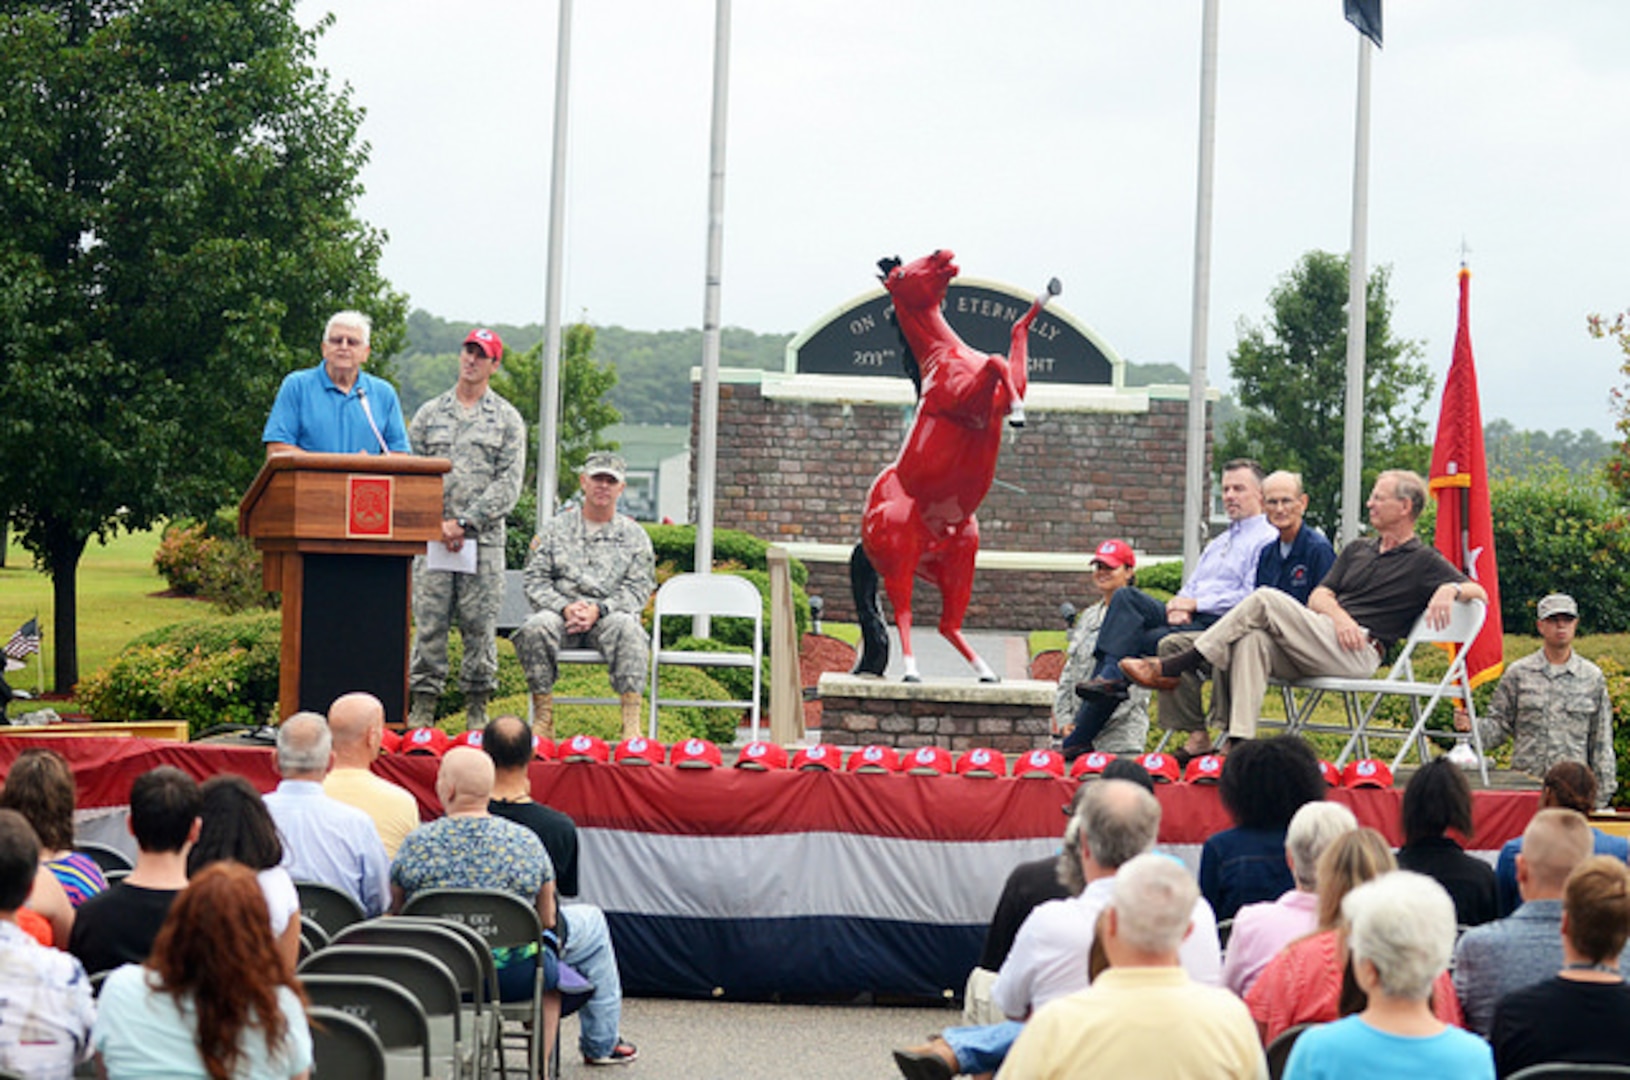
468 738
820 757
638 750
584 748
1331 774
695 754
490 343
1162 768
875 758
761 756
390 741
1205 769
982 761
1115 553
1367 772
425 740
1039 765
543 748
1090 764
928 761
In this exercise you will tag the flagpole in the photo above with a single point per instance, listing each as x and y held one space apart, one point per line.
1352 473
1194 474
707 428
549 383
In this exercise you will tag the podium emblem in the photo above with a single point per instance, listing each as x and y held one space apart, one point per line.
368 506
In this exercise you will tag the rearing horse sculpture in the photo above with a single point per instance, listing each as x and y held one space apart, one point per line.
919 517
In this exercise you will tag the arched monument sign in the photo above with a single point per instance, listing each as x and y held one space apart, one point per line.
860 338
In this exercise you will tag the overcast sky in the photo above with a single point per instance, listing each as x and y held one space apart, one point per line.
1034 138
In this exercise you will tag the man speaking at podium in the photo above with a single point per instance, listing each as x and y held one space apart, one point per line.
334 408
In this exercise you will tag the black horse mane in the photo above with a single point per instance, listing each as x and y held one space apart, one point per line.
908 359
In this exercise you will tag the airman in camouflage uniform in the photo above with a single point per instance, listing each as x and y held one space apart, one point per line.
589 576
1552 704
485 439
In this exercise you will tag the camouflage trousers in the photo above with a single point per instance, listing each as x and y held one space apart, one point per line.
619 637
440 597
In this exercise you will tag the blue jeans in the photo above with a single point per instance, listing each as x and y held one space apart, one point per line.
982 1049
588 949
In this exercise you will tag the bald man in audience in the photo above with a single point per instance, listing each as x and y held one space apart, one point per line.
471 848
1525 947
356 723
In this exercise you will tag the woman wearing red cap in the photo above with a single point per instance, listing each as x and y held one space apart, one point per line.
1114 723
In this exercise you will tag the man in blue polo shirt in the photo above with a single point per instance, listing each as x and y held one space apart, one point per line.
334 408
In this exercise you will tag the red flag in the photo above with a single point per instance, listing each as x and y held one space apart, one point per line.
1460 481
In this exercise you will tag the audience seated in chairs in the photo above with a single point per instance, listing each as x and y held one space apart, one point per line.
215 999
1437 799
1260 930
472 848
1400 931
118 926
237 826
1583 1013
1304 982
1264 782
40 786
1525 947
1120 1024
46 1009
1570 785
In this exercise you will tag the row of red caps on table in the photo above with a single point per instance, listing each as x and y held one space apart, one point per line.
923 761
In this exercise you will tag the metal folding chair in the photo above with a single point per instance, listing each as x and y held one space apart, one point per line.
711 595
423 976
344 1046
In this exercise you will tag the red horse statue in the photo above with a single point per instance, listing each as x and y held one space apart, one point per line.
920 512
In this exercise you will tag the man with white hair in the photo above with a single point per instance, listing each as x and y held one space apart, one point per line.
1262 929
334 408
1121 1024
1115 822
1525 947
324 839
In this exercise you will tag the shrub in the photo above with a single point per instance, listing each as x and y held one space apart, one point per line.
1555 533
1166 577
1618 689
209 559
674 723
676 544
207 672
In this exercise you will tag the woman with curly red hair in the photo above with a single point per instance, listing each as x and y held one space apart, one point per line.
215 1000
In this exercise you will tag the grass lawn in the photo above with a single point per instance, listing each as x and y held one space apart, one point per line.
118 600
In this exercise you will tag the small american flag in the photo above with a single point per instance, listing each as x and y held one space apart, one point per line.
26 641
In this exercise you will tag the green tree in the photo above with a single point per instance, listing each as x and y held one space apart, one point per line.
1291 379
1618 461
176 189
585 412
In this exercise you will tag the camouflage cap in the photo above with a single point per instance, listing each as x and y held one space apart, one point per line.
605 463
1557 604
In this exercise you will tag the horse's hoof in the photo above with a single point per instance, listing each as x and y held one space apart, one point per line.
990 678
912 678
1015 423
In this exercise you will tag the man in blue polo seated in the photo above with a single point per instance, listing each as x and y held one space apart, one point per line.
335 408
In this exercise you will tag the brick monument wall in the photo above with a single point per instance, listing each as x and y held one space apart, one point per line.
798 471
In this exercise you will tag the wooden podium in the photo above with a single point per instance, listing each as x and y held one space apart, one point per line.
337 535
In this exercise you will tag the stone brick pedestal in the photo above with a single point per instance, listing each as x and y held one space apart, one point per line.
958 714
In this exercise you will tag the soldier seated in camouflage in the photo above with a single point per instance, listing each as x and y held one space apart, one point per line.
589 576
1553 704
485 439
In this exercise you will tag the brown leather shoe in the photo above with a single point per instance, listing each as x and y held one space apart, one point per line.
1145 671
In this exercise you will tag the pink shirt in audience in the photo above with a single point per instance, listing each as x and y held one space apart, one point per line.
1261 930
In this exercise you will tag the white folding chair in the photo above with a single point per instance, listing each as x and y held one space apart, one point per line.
711 595
1465 620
